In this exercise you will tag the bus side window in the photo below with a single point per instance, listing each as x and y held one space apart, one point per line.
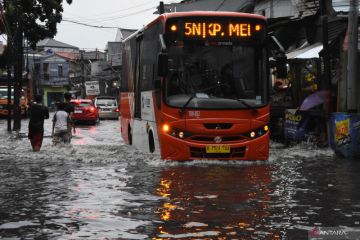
162 64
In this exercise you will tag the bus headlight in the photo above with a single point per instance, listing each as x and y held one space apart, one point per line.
252 134
175 132
258 132
166 128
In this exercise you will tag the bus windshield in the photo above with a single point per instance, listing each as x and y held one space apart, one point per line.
222 76
4 93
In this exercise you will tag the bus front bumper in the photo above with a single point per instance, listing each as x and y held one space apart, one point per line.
182 150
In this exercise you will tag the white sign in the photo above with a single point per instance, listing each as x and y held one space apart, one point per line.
92 88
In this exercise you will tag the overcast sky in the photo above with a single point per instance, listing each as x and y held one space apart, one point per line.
131 14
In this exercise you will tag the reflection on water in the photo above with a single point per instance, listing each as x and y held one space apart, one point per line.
84 135
214 201
102 189
127 198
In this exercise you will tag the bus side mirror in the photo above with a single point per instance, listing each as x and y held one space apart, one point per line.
157 83
281 69
162 64
280 57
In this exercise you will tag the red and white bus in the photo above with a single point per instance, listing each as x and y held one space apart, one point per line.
195 85
24 102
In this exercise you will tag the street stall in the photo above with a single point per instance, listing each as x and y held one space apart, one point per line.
298 103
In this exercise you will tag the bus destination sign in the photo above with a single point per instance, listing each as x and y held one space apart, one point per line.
234 30
205 30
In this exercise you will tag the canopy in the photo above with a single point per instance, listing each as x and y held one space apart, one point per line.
308 52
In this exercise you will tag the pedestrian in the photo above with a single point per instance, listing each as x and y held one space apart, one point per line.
61 122
37 114
69 108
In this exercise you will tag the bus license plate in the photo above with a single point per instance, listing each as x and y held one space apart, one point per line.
218 149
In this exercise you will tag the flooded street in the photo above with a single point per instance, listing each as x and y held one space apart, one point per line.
99 188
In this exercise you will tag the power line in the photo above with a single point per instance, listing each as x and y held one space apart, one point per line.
105 14
117 11
88 21
88 25
220 5
110 18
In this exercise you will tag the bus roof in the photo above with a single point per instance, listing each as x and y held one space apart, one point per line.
210 13
165 16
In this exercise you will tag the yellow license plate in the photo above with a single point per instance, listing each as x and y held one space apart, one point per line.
218 149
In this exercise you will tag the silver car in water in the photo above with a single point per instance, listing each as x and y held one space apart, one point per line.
108 107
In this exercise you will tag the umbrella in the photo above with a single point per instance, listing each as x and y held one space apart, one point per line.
315 99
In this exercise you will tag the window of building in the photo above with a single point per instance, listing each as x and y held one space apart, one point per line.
37 68
46 71
60 70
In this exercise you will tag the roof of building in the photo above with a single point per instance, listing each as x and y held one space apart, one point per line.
342 5
300 8
94 55
68 55
306 8
211 5
49 42
306 52
123 33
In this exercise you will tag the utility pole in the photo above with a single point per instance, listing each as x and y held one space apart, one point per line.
352 57
10 60
326 76
18 67
18 79
161 8
9 97
83 90
325 40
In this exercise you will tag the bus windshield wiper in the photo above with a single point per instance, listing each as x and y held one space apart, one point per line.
182 109
194 95
246 104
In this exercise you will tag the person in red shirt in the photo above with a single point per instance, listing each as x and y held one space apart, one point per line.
37 113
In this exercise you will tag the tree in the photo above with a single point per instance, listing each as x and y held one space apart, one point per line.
33 20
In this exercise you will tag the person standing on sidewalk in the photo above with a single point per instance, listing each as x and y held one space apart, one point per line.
69 108
37 113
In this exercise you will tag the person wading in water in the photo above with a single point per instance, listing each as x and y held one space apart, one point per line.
37 113
69 108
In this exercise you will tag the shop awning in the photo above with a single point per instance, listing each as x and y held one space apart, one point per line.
308 52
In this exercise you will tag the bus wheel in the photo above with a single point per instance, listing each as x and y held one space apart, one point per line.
151 142
129 135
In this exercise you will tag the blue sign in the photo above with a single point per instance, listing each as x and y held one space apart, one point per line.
295 124
345 134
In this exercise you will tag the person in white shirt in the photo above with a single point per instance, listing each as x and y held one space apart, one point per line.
61 123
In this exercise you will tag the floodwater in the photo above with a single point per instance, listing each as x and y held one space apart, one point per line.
99 188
